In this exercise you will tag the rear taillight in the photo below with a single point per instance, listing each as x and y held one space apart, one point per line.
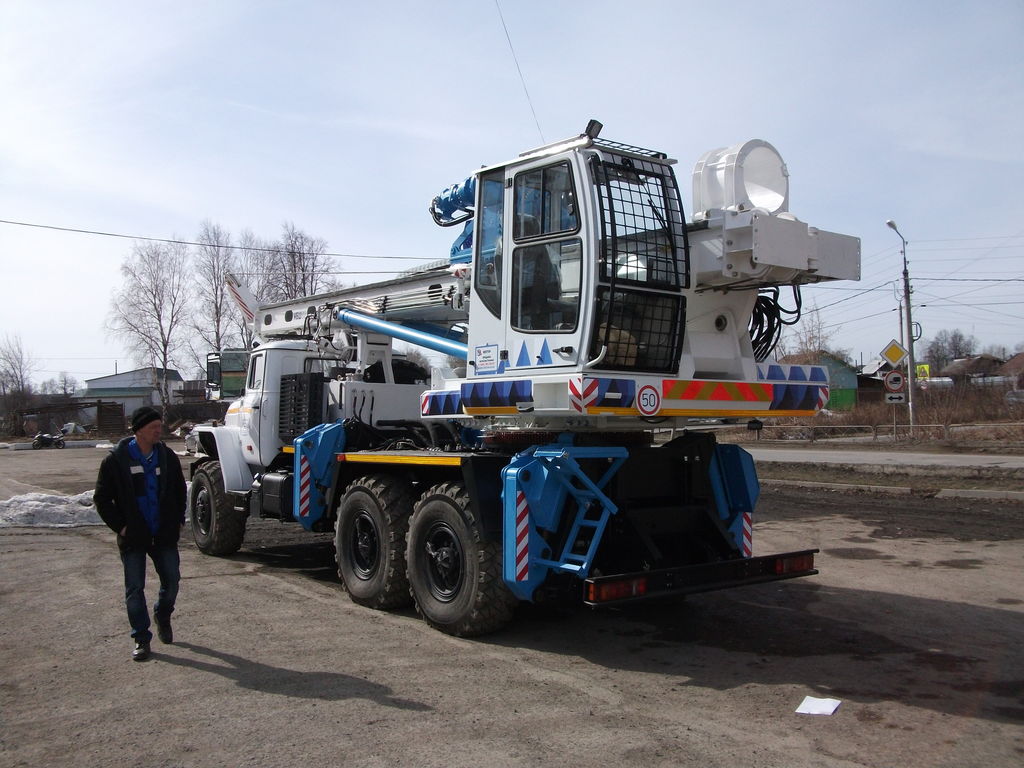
616 590
794 564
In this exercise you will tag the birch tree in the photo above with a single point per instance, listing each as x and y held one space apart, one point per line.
213 318
300 265
16 369
149 314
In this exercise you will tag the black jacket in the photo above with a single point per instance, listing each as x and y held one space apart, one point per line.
115 498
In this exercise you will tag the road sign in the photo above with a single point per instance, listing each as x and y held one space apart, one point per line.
895 398
648 400
895 353
894 381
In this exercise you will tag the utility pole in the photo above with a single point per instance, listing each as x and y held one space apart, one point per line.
911 366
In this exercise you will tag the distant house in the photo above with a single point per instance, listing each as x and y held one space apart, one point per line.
967 369
134 388
1013 368
842 377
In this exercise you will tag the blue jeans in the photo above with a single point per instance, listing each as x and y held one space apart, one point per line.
168 568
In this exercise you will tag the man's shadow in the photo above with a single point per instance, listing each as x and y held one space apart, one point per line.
328 686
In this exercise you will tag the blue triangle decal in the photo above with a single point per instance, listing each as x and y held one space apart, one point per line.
523 361
545 354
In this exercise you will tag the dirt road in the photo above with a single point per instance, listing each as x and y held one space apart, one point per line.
916 624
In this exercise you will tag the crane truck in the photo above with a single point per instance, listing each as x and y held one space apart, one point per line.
582 318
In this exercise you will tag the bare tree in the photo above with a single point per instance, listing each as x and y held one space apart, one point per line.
810 337
16 369
254 262
150 311
301 266
213 314
64 385
948 346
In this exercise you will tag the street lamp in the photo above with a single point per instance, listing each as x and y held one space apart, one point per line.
911 367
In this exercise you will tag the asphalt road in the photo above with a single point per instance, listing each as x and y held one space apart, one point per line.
915 624
823 454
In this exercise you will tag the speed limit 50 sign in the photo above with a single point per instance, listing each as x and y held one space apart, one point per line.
648 400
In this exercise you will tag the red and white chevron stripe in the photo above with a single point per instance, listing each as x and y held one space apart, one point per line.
246 310
582 393
522 537
748 536
304 486
822 397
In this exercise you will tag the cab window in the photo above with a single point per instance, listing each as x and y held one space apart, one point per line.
255 374
546 286
487 275
544 202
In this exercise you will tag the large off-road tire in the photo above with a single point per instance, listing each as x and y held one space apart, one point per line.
369 541
454 573
217 527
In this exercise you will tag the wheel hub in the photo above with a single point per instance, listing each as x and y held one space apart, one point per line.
444 562
365 548
203 511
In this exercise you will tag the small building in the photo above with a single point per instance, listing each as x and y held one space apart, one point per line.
1014 369
133 388
971 370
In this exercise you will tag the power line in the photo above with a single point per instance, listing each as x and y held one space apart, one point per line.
972 280
958 304
847 298
520 71
968 239
929 279
191 242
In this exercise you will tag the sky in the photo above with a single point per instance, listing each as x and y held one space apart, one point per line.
145 119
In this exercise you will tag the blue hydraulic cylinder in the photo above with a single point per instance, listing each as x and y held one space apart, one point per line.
316 453
413 336
454 203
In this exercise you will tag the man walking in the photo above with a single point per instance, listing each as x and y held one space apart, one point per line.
140 494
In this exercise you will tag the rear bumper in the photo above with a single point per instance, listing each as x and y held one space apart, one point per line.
646 585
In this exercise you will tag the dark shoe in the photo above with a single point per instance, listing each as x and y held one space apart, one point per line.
163 631
141 652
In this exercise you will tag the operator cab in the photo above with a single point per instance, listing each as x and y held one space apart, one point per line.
580 258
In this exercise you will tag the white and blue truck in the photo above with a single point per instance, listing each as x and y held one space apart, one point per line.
583 316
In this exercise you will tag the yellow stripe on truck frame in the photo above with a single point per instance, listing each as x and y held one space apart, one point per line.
383 458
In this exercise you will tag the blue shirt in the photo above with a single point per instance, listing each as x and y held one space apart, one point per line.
146 492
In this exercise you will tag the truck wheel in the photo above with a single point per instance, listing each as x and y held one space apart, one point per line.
369 541
454 574
217 527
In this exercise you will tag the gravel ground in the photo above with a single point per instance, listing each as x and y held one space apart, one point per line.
915 623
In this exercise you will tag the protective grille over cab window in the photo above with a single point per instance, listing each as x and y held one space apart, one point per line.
642 264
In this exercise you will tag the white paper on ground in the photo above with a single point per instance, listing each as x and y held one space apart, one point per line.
814 706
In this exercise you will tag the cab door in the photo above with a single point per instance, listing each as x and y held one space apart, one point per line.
543 300
250 418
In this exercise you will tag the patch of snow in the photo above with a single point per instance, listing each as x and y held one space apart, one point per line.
47 510
50 510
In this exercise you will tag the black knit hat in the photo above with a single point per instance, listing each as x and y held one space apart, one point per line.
142 416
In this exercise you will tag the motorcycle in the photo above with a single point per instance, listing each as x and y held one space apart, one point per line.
45 440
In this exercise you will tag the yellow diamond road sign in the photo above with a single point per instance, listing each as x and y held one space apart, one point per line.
895 353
